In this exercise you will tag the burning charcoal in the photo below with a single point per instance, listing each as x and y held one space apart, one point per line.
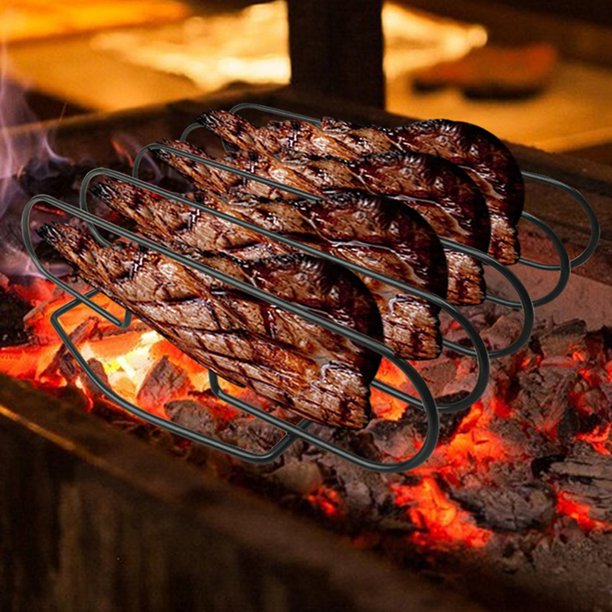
391 438
207 416
543 401
164 382
251 434
193 415
509 507
298 477
438 373
398 439
563 339
586 476
63 362
503 331
12 312
103 407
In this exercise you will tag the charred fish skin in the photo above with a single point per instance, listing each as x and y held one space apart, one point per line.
395 241
171 220
490 164
460 215
473 148
480 153
326 281
161 292
426 180
372 231
437 187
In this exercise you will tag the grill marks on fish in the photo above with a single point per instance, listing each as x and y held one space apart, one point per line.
486 159
488 162
375 232
442 193
315 373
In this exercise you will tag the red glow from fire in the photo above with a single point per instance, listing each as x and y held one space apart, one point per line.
439 520
580 513
474 442
599 438
328 501
436 516
126 356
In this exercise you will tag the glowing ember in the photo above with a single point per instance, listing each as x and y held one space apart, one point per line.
127 358
437 517
481 450
580 513
328 501
600 438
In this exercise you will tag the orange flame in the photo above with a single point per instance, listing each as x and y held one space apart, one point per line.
328 501
128 355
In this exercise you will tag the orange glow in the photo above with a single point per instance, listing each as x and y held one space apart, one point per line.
126 355
33 19
590 376
437 517
328 500
474 442
580 356
384 406
580 513
599 438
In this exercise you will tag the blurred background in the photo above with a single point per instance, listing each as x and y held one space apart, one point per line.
533 72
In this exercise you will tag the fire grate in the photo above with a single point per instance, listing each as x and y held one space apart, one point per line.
293 432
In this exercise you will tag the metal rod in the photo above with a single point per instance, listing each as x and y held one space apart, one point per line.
175 428
594 224
292 432
564 268
317 441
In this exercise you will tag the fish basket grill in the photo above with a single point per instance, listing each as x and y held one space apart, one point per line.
300 430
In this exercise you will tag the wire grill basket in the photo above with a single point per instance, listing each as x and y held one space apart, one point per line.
295 431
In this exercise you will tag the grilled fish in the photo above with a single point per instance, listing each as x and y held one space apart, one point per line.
369 230
304 368
482 155
440 191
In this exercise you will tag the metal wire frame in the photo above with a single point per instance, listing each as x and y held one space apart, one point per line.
292 432
525 303
564 266
479 351
257 458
